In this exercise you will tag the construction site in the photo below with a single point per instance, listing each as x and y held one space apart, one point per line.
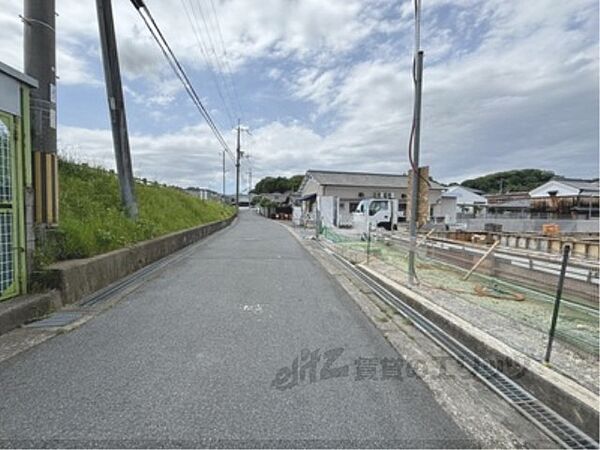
498 283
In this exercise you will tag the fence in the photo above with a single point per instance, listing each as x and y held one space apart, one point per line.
510 298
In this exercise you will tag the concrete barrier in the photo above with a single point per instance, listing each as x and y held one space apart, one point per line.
67 282
77 278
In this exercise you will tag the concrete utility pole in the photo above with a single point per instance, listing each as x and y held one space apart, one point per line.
249 179
238 155
40 63
223 175
116 105
414 210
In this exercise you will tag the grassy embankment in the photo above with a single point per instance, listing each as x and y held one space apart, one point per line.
92 221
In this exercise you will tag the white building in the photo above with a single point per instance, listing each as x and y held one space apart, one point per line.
566 188
468 201
344 190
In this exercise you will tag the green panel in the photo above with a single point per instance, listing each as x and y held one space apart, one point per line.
9 285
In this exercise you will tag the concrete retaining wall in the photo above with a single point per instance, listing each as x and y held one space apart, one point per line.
69 281
77 278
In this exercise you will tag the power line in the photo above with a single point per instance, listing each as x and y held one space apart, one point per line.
226 60
218 63
204 51
178 69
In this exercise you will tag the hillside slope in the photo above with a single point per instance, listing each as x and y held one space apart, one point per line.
91 221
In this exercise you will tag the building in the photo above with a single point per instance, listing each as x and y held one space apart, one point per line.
204 193
508 205
469 202
17 213
344 190
244 200
566 198
445 209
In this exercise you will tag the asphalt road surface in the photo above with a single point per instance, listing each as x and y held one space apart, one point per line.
204 355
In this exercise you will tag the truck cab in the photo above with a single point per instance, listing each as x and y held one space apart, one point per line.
376 212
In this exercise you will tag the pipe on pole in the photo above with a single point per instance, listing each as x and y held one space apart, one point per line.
116 104
414 206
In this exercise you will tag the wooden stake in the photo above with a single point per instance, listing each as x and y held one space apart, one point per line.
478 263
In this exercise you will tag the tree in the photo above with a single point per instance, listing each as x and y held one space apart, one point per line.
510 181
269 185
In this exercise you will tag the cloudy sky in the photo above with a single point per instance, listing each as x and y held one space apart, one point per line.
327 85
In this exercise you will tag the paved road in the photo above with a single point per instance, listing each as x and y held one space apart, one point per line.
190 358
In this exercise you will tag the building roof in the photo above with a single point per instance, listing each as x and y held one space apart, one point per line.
380 180
507 196
466 196
582 185
19 76
512 204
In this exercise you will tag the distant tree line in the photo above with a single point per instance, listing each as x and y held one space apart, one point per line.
269 185
510 181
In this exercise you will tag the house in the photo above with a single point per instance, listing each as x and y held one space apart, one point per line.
244 200
445 209
338 193
508 205
468 201
204 193
566 198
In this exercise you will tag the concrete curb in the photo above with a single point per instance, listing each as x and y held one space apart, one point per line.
19 310
70 281
571 400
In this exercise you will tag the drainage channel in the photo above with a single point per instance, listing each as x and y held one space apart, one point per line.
146 272
554 425
63 318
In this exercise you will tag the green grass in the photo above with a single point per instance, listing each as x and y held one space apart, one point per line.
91 220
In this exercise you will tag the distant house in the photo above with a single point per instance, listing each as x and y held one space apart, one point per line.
445 209
566 198
468 201
244 199
347 189
204 193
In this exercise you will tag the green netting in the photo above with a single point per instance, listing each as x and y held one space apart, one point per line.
576 326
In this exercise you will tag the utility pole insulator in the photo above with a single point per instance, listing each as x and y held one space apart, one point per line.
116 105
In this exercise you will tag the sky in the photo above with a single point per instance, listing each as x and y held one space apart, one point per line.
508 84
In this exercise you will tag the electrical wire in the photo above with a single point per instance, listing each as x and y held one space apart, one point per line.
205 56
226 60
179 71
211 44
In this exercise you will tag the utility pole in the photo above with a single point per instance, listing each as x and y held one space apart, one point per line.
223 175
238 155
40 63
116 104
416 133
249 179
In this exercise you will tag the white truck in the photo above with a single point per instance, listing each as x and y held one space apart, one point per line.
376 212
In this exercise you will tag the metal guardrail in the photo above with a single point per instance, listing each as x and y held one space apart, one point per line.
554 425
